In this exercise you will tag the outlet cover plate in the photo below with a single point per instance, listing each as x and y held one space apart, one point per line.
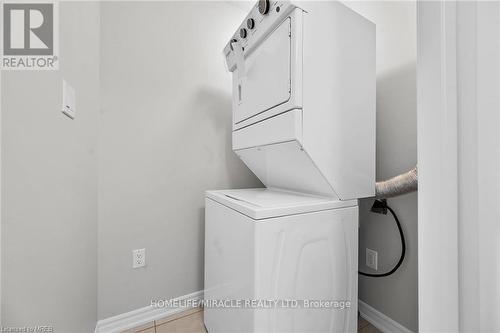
138 258
372 259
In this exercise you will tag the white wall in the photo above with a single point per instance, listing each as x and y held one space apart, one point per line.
49 173
396 295
487 125
166 138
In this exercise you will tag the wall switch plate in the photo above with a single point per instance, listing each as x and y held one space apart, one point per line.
69 100
371 259
138 258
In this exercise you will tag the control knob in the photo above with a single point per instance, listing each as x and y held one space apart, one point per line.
250 23
243 33
263 6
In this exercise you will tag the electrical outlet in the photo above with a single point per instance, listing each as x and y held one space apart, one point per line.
138 258
371 259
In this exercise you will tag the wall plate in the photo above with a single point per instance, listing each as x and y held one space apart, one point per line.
371 259
69 100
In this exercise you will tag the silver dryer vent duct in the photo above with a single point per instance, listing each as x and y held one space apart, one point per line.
401 184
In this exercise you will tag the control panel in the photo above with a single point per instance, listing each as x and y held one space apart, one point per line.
263 18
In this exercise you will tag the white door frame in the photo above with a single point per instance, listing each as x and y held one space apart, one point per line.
458 97
1 205
437 167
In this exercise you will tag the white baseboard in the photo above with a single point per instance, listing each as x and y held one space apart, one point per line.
124 321
128 320
380 320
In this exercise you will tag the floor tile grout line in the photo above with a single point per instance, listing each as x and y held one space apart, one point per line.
365 325
169 321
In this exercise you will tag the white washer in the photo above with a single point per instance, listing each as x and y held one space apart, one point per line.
263 244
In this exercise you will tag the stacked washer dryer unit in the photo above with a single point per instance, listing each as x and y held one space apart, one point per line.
304 123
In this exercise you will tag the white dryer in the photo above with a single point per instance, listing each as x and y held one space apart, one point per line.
304 123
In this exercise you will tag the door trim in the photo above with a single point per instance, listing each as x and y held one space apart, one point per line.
438 300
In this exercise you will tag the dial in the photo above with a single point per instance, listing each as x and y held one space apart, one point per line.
243 33
250 23
263 6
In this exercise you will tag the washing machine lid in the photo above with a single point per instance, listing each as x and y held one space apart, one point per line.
264 203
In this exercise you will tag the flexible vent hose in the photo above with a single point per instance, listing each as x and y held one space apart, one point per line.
402 184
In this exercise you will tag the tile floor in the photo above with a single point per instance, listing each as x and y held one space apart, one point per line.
366 327
191 321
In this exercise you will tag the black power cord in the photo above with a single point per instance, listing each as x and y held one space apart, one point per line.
381 207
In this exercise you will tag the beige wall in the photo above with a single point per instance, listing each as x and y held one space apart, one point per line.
49 185
396 295
165 139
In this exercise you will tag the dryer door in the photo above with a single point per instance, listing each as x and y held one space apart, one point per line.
267 81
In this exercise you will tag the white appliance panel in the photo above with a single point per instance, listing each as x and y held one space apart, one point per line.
264 203
281 128
286 165
311 256
227 246
266 81
308 257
